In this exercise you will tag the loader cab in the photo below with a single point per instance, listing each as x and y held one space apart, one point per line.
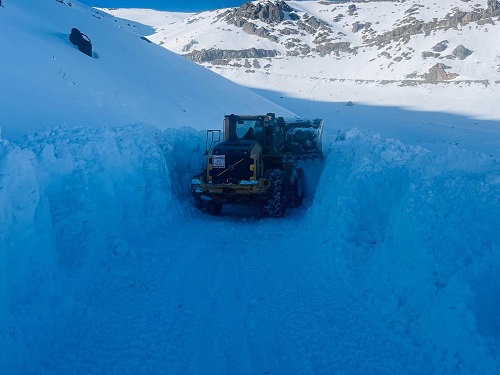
237 128
267 130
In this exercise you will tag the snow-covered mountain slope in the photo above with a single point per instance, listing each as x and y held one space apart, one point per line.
373 40
391 266
418 55
143 18
46 81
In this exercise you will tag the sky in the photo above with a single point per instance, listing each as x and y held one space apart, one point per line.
170 5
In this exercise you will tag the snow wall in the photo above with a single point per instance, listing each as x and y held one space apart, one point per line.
419 234
415 232
70 201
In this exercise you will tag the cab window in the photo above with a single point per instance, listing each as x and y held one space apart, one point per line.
249 129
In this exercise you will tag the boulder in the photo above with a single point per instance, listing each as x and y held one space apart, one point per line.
441 46
461 52
82 41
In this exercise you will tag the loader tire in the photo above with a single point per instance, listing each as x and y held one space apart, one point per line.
297 185
275 205
198 203
210 208
214 208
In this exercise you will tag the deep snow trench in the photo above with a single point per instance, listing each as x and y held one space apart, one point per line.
106 267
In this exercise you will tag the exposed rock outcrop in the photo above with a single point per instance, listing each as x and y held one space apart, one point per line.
427 54
338 18
267 12
461 52
356 26
327 48
190 45
493 7
209 55
262 32
441 46
452 20
311 24
438 74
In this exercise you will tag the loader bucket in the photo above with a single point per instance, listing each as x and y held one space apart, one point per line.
304 138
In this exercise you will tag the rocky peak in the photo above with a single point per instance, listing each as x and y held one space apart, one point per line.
268 12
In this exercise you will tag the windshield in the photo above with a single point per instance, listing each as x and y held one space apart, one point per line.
249 129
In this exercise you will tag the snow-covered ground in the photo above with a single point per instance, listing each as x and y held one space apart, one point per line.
46 82
391 266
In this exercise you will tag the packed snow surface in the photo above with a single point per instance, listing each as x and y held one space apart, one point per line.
390 266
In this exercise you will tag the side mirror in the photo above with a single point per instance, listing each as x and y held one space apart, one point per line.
213 137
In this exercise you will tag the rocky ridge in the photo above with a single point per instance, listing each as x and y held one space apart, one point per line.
221 57
413 26
338 31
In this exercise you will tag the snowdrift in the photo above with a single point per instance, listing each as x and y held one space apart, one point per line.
71 198
414 231
418 231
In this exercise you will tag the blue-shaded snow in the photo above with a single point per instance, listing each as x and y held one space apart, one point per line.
399 243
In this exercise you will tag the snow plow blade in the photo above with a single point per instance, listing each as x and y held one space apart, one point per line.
304 138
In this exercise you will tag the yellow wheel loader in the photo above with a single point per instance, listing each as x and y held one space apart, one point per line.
255 161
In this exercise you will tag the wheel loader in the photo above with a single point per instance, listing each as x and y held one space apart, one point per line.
255 162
